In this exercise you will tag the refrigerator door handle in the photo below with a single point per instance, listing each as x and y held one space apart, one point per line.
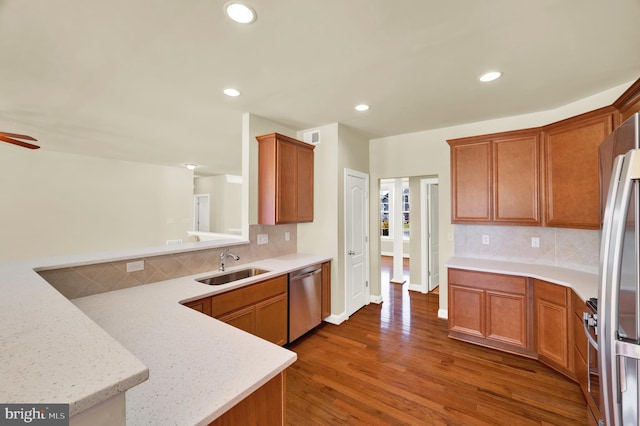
626 169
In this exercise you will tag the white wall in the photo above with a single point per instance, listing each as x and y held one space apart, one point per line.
386 245
55 203
427 153
340 147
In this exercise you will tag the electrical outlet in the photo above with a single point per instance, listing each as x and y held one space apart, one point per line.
287 236
535 242
135 266
263 239
485 240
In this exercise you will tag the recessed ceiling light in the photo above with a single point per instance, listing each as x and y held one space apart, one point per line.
490 76
231 92
362 107
191 166
240 12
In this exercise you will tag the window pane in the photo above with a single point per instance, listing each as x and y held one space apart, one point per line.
384 212
405 212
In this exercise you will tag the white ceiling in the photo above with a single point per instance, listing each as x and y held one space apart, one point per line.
142 80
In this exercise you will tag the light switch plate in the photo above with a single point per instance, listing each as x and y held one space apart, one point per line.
135 266
263 239
535 242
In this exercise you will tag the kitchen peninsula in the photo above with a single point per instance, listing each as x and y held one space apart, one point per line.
176 365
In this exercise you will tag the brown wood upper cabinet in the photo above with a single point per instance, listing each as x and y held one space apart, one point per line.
285 180
571 169
496 178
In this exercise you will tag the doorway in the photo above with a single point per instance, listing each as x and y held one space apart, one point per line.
201 212
430 237
356 240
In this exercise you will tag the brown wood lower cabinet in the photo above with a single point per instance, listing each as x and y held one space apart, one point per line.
530 317
490 310
553 337
260 309
326 289
265 406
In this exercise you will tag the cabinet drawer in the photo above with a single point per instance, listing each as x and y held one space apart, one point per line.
553 293
489 281
250 295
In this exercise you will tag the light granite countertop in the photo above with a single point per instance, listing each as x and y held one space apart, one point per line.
199 367
51 352
139 340
583 283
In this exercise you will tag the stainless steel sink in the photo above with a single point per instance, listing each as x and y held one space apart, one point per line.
232 276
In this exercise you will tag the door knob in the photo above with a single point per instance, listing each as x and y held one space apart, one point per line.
351 252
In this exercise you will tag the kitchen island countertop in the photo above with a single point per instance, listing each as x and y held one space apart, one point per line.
176 365
199 367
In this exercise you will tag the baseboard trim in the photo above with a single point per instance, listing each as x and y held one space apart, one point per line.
390 254
337 319
375 299
443 313
417 287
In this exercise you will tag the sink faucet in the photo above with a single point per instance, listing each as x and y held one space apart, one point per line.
224 255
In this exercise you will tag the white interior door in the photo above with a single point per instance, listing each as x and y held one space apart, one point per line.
356 241
434 238
430 235
201 212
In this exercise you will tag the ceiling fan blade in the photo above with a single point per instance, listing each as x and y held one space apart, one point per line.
17 136
17 142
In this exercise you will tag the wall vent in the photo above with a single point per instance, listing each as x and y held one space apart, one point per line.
312 137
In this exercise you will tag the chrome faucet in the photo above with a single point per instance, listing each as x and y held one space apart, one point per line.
224 256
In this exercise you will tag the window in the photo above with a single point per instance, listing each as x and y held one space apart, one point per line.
405 210
386 209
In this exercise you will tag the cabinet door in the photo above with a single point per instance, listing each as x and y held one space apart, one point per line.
507 318
571 170
516 180
553 336
466 310
244 319
286 182
551 324
326 289
265 406
271 319
305 185
471 182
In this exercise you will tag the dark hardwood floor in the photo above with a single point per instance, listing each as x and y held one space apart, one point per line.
394 364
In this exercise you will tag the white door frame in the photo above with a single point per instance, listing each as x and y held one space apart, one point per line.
350 172
424 237
196 209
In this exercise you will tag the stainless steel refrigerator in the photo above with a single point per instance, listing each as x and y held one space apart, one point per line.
618 325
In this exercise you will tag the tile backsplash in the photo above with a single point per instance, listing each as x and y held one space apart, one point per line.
86 280
567 248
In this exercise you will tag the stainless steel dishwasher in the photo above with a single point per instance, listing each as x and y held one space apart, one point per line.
305 296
